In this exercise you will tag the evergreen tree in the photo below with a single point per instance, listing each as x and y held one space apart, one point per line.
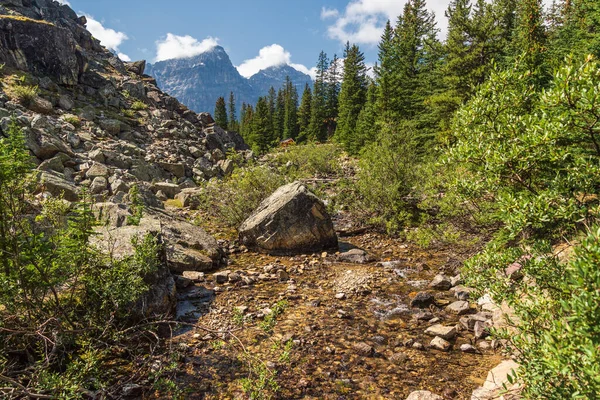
279 116
221 113
366 128
333 80
530 38
290 124
233 122
384 71
261 137
353 96
318 118
304 113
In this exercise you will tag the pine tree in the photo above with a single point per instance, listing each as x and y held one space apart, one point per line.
333 79
304 114
366 128
413 38
221 113
530 38
353 96
279 116
290 124
261 137
232 122
384 71
318 118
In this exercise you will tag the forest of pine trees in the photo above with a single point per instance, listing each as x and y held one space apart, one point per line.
419 81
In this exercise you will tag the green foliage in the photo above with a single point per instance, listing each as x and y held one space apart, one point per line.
261 383
353 97
318 118
24 94
233 199
310 160
73 120
61 299
387 173
304 112
531 159
137 206
221 113
268 323
139 105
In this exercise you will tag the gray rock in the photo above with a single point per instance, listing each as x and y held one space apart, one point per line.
66 103
398 358
497 383
291 220
459 307
467 348
189 197
221 276
177 169
440 282
169 189
462 292
160 298
226 166
422 300
53 164
445 332
468 321
194 275
99 184
55 184
40 105
439 343
113 214
112 126
97 170
355 256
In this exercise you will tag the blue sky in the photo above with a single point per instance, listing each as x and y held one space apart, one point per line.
255 33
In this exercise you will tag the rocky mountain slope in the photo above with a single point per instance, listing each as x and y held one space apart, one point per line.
99 126
200 80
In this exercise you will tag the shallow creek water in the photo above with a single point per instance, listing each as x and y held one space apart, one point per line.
351 327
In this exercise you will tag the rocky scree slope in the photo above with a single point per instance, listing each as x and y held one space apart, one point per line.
97 124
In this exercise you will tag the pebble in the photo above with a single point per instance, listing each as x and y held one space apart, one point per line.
445 332
467 348
363 349
459 307
422 300
440 282
418 346
440 344
398 358
340 296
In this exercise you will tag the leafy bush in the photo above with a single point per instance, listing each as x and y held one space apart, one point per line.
139 105
61 300
533 159
310 160
24 94
73 120
388 171
233 199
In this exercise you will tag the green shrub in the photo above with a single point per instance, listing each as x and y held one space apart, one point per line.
73 120
61 300
387 174
24 94
533 160
139 105
233 199
310 160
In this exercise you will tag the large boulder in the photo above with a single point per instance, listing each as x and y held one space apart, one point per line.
291 220
187 247
160 298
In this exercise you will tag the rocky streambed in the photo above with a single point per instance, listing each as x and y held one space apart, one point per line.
380 323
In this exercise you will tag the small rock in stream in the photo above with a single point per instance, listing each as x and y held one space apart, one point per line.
445 332
459 307
440 344
423 395
422 300
467 348
440 282
363 349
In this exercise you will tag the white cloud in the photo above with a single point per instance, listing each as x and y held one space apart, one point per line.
271 56
174 46
124 57
65 2
327 13
109 38
363 21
